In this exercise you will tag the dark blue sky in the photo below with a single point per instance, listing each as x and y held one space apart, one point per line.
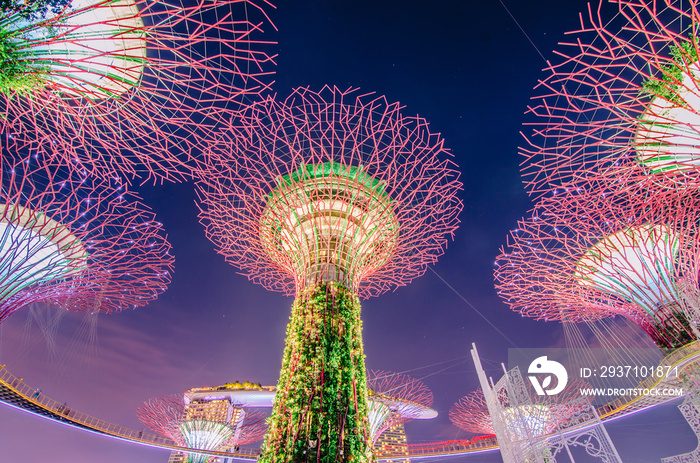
469 70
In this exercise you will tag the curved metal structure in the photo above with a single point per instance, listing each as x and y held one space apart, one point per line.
623 91
128 86
329 196
77 242
14 392
626 248
330 186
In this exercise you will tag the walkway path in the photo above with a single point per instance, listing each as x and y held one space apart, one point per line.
14 392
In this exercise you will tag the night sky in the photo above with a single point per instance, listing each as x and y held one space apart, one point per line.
467 68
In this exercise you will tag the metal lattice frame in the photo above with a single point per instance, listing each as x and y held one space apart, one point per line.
162 415
577 423
624 90
584 429
471 413
81 243
691 412
327 195
395 398
167 416
594 253
129 86
510 410
378 188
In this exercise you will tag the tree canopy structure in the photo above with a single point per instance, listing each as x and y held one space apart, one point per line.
127 86
327 195
593 253
168 416
395 398
536 419
81 243
625 90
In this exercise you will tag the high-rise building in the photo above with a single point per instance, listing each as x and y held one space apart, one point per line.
229 405
393 442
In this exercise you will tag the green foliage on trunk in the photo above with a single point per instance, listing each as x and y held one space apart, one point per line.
17 74
320 411
673 332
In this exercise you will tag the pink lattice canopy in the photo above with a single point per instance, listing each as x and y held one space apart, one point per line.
80 243
330 186
538 417
589 254
396 398
624 90
129 86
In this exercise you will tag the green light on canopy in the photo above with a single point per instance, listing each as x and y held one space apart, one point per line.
97 49
329 222
667 138
333 169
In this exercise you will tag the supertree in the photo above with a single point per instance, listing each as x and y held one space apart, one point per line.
471 414
624 91
623 248
328 196
80 243
396 398
168 416
536 419
130 86
529 427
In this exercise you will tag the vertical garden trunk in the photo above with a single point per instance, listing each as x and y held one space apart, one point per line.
320 411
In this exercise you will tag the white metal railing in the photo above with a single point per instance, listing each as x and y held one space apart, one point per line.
35 396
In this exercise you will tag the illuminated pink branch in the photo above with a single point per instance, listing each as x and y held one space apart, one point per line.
81 243
132 86
627 248
395 398
252 430
167 416
391 164
327 196
471 413
162 415
623 91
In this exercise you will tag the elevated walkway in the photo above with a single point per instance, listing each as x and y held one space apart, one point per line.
15 392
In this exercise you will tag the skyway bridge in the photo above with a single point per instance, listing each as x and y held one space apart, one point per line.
14 392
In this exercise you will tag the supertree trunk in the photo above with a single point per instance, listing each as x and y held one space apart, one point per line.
327 196
320 411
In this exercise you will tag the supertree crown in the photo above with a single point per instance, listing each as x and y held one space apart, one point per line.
396 398
77 242
132 86
333 220
38 247
535 419
188 427
625 92
592 253
330 186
